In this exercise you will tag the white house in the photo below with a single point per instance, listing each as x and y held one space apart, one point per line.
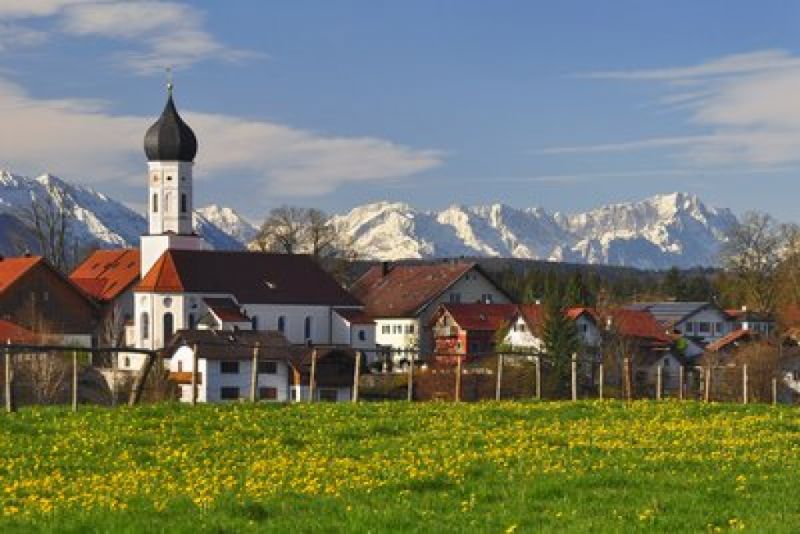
403 298
185 286
703 322
525 327
225 365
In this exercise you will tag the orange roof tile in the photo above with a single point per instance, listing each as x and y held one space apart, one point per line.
638 324
730 339
12 269
478 316
105 274
15 333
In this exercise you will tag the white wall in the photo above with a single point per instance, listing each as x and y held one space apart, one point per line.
719 325
343 394
403 334
520 336
345 333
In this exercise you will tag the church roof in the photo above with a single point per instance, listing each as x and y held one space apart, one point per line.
170 138
251 277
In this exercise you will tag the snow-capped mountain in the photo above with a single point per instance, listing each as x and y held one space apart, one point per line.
230 222
95 219
655 233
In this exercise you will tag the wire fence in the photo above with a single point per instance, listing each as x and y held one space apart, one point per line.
34 375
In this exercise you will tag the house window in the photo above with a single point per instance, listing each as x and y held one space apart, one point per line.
229 393
267 368
168 326
689 327
254 322
328 394
229 368
455 298
167 202
268 393
282 324
398 329
704 328
666 362
180 366
362 335
386 329
486 298
307 328
184 203
155 202
127 362
145 326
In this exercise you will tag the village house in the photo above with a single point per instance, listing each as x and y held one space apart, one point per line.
36 296
703 322
402 299
744 319
184 285
334 373
469 330
525 327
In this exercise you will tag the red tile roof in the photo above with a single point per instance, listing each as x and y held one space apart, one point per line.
639 324
226 310
105 274
731 339
15 333
251 277
480 316
405 289
354 316
12 269
532 314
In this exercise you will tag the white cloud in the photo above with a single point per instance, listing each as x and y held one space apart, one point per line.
165 33
83 141
742 109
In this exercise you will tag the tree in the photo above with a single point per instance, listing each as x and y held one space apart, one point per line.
751 255
561 340
294 230
48 220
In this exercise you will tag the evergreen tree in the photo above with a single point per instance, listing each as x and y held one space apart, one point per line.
561 341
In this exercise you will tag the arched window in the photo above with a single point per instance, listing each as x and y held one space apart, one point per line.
145 325
307 328
191 321
127 362
254 322
282 324
184 203
168 327
155 202
180 366
167 202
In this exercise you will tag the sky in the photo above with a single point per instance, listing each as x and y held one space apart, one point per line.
334 103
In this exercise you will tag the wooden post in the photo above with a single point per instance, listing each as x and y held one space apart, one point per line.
458 379
194 375
357 375
574 380
659 384
141 379
774 391
600 380
8 391
707 385
312 380
254 375
680 382
74 380
538 362
626 365
499 385
410 388
114 365
744 384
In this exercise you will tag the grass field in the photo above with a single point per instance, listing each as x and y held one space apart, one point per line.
490 467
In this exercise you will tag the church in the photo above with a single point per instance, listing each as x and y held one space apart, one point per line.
184 285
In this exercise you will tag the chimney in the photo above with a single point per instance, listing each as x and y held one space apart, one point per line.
744 307
385 268
609 322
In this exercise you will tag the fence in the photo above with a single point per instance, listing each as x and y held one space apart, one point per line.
68 375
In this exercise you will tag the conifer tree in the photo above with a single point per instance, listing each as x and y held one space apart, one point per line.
561 340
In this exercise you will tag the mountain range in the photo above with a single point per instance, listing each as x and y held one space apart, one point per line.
655 233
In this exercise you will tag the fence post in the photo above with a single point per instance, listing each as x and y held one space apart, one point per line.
74 380
574 377
254 375
8 392
626 364
114 365
357 375
707 385
458 379
194 375
600 380
499 385
659 384
538 377
744 384
774 391
680 382
410 387
312 379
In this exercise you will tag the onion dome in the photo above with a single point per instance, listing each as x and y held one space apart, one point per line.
170 139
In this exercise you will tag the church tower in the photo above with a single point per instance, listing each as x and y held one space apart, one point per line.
170 147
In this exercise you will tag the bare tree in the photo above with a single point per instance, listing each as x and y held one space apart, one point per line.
48 220
282 231
752 255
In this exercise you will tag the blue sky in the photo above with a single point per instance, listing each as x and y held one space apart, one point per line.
564 104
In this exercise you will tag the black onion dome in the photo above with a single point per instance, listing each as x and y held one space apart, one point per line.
170 139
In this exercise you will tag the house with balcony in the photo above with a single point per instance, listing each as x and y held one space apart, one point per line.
469 330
